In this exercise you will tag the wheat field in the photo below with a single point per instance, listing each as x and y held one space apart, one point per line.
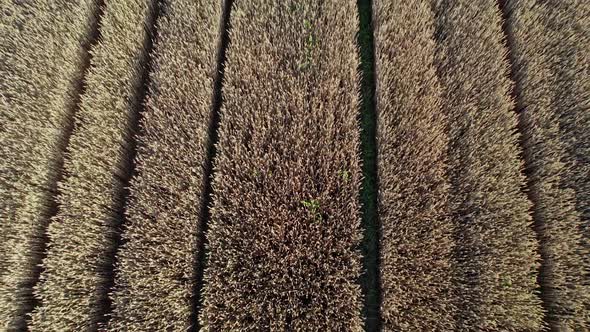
296 165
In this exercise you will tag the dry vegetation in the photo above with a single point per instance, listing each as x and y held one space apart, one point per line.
284 235
82 234
156 265
43 52
417 265
550 46
462 248
497 251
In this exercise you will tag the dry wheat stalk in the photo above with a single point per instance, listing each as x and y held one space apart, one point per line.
284 235
497 248
550 44
156 265
43 55
82 235
417 264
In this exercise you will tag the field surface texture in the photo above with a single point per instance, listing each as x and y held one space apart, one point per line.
38 95
496 253
284 229
296 165
550 44
157 262
417 244
82 236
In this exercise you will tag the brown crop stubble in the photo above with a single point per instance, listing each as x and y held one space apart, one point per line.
43 55
497 250
284 235
156 265
550 54
82 235
417 245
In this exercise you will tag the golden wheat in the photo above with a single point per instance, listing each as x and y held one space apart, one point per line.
417 265
462 247
156 265
72 289
497 248
284 234
550 44
43 55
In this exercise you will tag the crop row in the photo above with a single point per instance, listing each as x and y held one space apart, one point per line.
550 44
83 234
418 268
285 217
157 263
43 56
